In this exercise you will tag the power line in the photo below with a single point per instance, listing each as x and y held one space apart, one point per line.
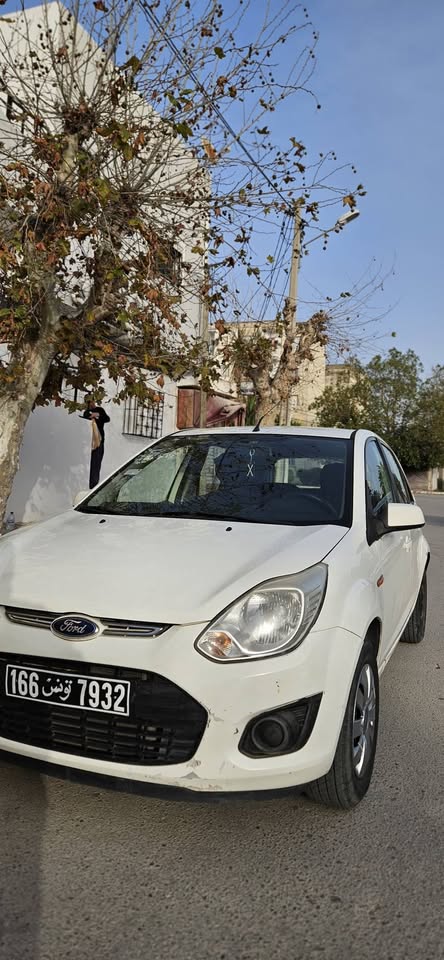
283 235
277 265
156 23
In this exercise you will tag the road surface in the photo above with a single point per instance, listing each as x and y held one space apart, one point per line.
93 874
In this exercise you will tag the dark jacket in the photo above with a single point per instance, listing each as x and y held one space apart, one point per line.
101 419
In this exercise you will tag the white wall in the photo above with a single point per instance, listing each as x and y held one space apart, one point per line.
55 456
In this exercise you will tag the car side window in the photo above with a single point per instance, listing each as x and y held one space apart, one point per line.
377 477
400 485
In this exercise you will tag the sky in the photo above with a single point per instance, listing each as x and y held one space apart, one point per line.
380 81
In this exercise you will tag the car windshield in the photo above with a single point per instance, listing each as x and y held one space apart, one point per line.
255 478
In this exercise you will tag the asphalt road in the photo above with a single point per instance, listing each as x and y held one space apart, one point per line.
91 873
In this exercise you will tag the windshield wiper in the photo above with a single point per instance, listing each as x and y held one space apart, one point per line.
105 510
224 517
202 516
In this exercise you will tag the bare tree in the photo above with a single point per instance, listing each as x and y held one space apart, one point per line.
272 354
130 128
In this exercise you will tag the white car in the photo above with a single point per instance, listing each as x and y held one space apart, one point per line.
216 615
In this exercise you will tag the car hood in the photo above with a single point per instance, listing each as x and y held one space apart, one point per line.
166 570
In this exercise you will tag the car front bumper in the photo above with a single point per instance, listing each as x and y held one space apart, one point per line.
231 693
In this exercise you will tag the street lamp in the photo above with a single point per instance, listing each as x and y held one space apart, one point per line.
347 218
341 222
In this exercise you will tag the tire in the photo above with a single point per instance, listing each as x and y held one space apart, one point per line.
415 629
348 779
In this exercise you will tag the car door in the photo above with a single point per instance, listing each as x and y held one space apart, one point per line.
391 552
403 494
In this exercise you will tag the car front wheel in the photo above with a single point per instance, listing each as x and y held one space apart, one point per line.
348 780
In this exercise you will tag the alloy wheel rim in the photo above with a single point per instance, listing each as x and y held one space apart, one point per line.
364 720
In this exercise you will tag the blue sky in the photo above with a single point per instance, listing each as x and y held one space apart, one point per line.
380 81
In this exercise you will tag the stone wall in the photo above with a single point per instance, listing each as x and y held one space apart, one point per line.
426 481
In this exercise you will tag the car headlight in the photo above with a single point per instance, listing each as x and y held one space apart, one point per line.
271 619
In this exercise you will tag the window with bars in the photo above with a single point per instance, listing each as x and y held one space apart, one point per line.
167 261
142 420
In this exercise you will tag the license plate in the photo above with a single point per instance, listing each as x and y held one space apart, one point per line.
68 690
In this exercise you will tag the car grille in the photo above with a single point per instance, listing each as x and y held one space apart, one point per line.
165 724
111 627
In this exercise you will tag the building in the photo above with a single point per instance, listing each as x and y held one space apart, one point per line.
338 374
310 385
219 410
55 454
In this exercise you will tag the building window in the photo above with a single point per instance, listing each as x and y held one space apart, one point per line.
13 109
167 261
142 420
10 105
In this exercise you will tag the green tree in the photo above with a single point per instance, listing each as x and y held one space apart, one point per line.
428 425
389 396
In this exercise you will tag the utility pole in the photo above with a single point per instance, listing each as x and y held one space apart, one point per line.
295 261
204 337
293 285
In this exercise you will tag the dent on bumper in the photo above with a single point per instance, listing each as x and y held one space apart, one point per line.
232 694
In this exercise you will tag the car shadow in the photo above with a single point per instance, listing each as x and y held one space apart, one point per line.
22 817
138 788
23 805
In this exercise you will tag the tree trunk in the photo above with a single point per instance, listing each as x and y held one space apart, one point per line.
268 400
13 417
15 408
284 382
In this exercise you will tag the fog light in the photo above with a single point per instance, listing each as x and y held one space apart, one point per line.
271 733
282 730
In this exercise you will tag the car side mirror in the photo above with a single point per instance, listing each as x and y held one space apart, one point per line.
403 516
79 497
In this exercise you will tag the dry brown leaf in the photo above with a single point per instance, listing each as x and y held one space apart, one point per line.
210 151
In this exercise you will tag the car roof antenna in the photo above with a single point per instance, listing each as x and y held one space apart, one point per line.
256 429
270 410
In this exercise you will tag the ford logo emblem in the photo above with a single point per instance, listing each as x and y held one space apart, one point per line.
72 627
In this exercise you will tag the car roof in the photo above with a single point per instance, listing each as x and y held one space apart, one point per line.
333 432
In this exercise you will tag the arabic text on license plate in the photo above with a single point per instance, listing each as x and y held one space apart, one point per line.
68 690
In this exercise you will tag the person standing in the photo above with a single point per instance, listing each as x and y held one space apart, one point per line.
98 418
